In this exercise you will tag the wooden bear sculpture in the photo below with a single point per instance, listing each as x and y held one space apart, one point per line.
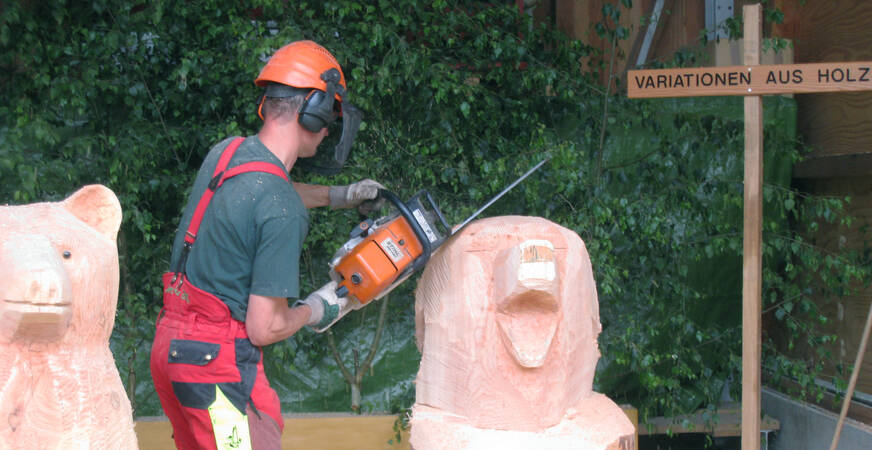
59 387
507 321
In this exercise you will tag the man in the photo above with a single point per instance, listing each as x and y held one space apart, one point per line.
227 296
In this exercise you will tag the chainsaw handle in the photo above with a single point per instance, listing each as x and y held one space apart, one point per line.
435 208
413 223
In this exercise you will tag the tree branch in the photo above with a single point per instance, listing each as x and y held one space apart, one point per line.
373 348
335 352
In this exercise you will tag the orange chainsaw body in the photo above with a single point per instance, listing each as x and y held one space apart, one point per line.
376 262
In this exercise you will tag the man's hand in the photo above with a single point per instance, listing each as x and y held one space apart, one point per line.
354 194
325 305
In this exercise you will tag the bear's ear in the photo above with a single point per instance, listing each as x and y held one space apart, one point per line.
97 206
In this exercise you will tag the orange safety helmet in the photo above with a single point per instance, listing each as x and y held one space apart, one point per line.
307 65
300 64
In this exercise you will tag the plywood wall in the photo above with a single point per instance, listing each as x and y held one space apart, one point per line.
838 127
679 28
847 314
831 31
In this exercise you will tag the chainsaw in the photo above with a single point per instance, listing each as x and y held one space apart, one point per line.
382 253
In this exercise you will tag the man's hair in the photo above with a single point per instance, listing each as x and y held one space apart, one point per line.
282 107
283 101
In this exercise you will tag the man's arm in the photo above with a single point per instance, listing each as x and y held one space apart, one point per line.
270 319
313 195
337 197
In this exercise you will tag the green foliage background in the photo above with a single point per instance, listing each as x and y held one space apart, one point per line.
459 99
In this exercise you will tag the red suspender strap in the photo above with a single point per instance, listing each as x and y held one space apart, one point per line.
223 161
221 175
256 166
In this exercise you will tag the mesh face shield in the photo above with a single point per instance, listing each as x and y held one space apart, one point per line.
320 110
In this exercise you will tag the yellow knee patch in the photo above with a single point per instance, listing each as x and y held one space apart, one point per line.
228 424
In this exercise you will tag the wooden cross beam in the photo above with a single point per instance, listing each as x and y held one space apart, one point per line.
752 81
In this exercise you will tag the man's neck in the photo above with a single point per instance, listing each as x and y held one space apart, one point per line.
281 140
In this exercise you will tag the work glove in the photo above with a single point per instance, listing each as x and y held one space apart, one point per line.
353 195
325 305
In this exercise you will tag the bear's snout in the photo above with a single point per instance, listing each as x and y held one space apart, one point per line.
35 292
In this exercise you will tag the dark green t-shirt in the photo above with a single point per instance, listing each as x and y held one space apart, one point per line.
251 235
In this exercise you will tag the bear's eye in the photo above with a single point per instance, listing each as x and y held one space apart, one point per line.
67 254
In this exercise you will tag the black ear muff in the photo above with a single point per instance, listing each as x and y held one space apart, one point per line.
316 111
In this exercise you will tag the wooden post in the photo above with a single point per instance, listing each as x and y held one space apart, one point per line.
752 267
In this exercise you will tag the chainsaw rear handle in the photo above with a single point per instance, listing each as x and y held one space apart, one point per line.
435 208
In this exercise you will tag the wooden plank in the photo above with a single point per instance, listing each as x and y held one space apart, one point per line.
340 433
153 433
723 422
789 26
679 27
633 414
681 24
321 431
578 19
836 124
645 37
750 80
752 267
328 431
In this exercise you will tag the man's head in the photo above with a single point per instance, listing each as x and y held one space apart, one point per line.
304 82
281 102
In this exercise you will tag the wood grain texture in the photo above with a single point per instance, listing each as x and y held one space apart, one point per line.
682 23
834 31
506 318
752 260
59 386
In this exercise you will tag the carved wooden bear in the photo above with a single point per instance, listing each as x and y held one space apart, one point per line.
59 387
507 321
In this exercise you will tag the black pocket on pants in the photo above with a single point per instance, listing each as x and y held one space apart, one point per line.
199 353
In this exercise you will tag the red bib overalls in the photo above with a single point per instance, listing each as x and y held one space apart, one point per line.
207 373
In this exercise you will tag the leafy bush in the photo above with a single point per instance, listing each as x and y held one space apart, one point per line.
460 98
